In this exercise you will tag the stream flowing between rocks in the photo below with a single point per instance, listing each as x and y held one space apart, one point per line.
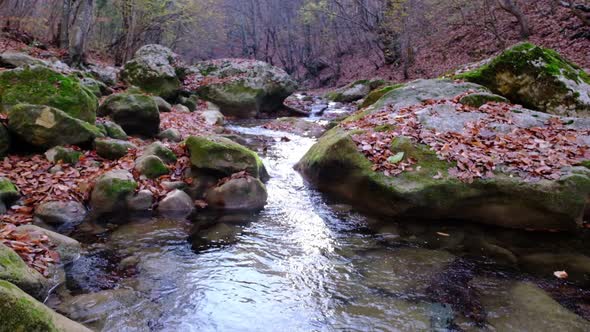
307 263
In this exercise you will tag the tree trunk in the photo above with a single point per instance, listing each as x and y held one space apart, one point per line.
64 26
80 32
511 7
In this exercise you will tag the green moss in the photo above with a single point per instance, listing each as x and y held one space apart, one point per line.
112 148
376 94
8 191
160 150
120 188
42 86
384 128
65 155
222 155
151 166
21 313
481 98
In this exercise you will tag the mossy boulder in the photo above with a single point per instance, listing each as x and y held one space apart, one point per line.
241 194
170 134
45 126
537 78
112 148
163 105
224 157
43 86
21 312
355 91
135 113
377 93
160 150
63 154
13 269
115 131
153 70
244 88
98 88
111 191
151 166
4 141
429 191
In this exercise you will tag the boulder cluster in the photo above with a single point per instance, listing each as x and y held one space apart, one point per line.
102 144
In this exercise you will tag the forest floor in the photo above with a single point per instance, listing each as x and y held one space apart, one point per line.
445 50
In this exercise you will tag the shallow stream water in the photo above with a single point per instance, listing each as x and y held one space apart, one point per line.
307 263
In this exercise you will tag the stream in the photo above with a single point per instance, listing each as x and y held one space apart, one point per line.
309 263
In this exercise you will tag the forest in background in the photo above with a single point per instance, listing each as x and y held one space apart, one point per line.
320 42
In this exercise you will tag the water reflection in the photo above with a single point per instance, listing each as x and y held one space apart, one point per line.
308 264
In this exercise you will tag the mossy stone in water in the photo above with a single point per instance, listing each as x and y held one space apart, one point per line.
223 156
21 312
42 86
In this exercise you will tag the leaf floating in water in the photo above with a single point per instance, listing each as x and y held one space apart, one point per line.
561 274
443 234
396 158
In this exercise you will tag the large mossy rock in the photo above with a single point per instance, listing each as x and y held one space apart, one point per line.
21 312
429 191
153 70
43 86
244 88
135 113
355 91
45 126
224 157
111 191
16 59
536 78
13 269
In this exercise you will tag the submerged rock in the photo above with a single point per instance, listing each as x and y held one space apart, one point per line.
244 88
577 266
522 306
536 78
14 270
246 194
135 113
43 86
21 312
153 70
428 191
45 126
224 157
